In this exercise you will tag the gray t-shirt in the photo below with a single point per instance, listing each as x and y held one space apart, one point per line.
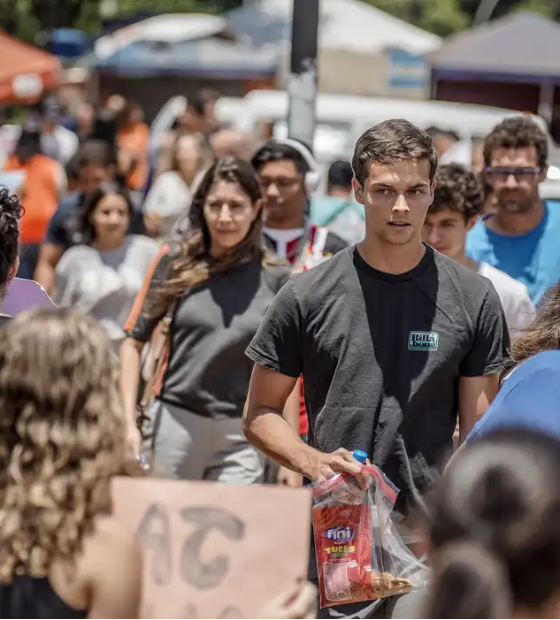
214 322
105 284
381 356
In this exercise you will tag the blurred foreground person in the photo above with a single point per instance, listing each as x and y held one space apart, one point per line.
495 532
10 215
62 554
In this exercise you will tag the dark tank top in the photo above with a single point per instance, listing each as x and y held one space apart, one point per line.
32 597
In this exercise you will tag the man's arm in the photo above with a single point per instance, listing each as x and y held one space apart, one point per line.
56 242
49 256
277 351
475 396
267 429
479 372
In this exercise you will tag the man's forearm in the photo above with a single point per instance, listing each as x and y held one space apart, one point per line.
270 432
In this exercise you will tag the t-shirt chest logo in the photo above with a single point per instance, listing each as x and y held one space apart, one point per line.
423 341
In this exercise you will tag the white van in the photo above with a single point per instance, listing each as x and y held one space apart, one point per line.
342 118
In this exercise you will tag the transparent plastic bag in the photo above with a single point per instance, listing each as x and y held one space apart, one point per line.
360 556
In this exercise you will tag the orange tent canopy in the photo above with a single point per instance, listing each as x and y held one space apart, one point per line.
25 71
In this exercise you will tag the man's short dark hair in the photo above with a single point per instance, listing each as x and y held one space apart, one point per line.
11 212
278 151
517 132
459 190
94 153
340 174
389 142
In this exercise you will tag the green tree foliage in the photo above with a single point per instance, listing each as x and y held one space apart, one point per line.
443 17
27 19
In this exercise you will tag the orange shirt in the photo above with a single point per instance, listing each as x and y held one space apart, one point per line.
43 177
135 140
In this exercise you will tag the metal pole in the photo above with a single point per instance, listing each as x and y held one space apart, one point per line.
484 11
302 83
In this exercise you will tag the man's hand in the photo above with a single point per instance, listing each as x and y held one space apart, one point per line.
289 478
324 466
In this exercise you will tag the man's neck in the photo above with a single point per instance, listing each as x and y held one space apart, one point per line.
392 259
516 223
463 259
289 224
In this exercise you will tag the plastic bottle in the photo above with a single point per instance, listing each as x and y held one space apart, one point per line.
360 456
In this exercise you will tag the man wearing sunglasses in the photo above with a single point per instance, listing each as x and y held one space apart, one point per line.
522 236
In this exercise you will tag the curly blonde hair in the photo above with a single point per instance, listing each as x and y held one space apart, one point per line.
62 436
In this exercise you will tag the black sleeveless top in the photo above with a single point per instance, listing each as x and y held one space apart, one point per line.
32 597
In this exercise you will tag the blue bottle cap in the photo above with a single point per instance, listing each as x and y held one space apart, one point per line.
360 456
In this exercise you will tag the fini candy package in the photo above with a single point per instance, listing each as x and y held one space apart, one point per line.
360 557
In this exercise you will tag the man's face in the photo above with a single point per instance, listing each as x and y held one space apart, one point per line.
283 189
93 176
396 198
446 231
514 175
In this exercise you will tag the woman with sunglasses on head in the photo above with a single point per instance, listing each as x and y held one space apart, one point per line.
103 275
217 282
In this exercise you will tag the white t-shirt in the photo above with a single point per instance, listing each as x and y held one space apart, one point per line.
168 199
517 304
104 284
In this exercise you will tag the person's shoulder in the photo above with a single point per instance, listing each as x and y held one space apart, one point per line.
277 273
69 203
462 278
502 281
111 539
75 256
330 269
144 243
334 243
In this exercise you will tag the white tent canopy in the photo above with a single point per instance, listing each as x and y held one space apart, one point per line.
345 25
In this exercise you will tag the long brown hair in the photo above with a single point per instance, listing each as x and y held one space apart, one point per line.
62 436
195 264
544 332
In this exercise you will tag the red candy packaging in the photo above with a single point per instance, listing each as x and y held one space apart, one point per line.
359 555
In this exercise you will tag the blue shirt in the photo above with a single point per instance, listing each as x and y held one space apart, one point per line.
532 258
527 399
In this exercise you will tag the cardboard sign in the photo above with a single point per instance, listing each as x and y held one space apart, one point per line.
213 550
24 295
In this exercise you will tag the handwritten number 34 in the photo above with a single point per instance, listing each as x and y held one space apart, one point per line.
154 532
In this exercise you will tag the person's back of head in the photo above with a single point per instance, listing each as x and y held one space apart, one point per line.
29 142
495 531
62 436
339 177
11 212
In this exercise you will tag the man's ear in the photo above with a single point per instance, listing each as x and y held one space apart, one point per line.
543 174
358 191
471 222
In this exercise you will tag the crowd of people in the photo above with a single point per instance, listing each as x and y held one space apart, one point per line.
218 320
